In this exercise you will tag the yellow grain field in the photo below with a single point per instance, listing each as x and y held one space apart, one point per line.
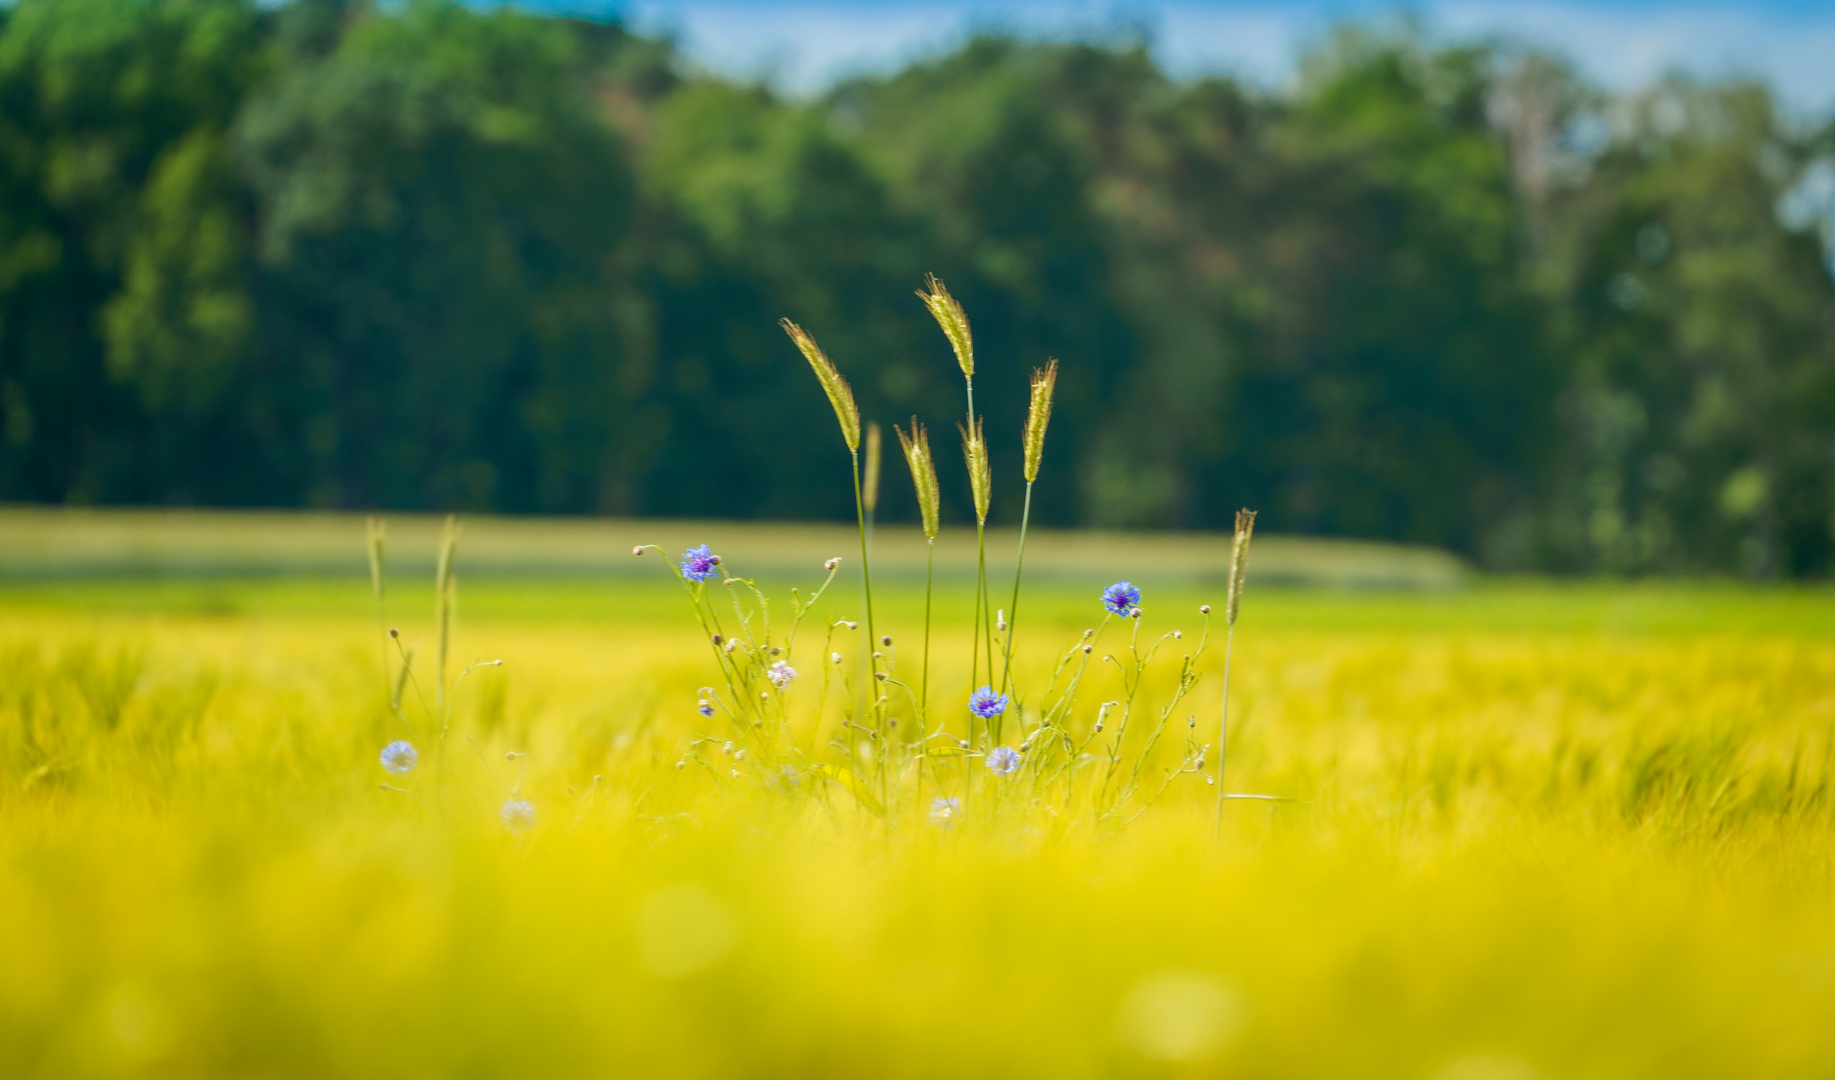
1534 830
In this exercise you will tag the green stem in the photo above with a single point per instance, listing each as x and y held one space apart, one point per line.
974 657
981 607
1025 517
1223 727
866 582
930 562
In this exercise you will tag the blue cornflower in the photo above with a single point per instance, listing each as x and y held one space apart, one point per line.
943 811
698 562
518 814
1002 760
1121 598
986 703
399 757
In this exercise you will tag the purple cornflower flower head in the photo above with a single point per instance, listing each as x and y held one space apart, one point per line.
518 814
698 562
986 703
1121 598
943 811
399 757
706 708
1002 760
781 674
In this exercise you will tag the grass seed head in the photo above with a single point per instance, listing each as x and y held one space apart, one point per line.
980 479
1038 415
953 320
376 535
923 474
840 394
1239 561
869 492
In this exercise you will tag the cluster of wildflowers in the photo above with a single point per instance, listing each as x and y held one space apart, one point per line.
889 744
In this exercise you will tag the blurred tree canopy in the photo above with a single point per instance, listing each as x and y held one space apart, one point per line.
426 256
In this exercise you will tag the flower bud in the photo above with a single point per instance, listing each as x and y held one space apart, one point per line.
1000 619
394 633
1204 609
832 563
886 641
851 625
1087 649
1177 634
835 656
638 550
718 639
1134 613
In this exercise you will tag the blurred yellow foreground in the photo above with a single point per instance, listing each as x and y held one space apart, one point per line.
1538 831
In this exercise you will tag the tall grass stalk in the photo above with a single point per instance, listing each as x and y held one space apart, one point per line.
847 413
916 446
444 595
1038 417
1239 569
981 483
376 543
954 323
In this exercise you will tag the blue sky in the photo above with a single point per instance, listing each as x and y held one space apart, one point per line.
803 45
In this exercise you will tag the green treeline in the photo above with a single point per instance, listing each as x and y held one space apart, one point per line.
323 255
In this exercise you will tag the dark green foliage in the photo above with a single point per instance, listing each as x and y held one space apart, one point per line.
433 257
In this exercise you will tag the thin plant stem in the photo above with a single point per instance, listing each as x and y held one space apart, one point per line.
1025 517
981 624
930 562
981 545
1223 727
866 582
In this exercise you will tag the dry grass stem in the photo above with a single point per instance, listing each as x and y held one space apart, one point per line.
981 481
869 491
1038 415
840 394
923 474
1239 562
953 320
